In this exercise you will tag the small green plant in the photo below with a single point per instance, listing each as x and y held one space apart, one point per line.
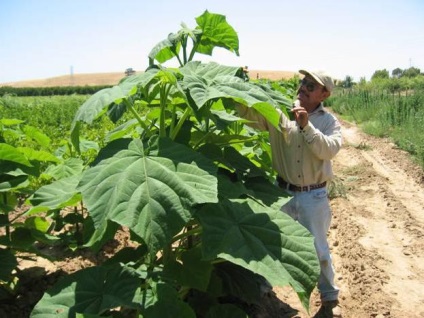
20 166
192 184
337 189
363 146
28 165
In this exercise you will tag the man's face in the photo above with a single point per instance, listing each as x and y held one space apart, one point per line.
311 93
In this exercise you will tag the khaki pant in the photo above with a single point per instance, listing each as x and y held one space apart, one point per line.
312 210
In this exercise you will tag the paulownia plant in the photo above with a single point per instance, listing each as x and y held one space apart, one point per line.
194 186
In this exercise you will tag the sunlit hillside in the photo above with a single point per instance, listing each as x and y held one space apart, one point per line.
113 78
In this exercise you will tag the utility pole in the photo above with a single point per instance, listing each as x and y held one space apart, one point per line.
72 76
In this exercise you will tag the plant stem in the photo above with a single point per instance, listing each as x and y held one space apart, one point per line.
185 115
164 91
193 231
193 51
174 117
136 115
184 46
203 138
18 216
177 56
7 215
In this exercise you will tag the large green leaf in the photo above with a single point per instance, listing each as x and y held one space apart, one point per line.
283 100
13 179
68 168
37 223
149 190
216 32
10 153
92 291
240 282
96 238
97 104
268 194
209 82
10 121
122 131
38 155
8 264
166 49
142 79
241 163
265 241
212 31
208 71
57 194
226 311
111 149
163 301
22 239
37 135
191 270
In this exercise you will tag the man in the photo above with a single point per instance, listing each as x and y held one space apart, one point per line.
301 155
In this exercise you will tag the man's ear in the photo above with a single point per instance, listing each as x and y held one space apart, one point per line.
325 94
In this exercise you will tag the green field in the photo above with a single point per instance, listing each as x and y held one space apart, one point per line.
397 115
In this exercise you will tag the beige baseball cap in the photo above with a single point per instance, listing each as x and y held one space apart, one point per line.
321 77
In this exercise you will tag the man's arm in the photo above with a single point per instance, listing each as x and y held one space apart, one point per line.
249 113
324 144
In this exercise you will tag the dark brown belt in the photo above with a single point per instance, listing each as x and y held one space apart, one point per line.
291 187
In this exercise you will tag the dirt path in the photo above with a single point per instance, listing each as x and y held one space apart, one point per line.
377 234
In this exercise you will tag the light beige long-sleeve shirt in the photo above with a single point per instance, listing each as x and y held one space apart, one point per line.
301 156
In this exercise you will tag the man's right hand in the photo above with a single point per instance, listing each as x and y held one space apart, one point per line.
301 116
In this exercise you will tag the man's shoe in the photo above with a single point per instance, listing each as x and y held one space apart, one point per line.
329 309
330 303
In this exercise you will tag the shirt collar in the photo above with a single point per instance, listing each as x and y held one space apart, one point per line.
319 109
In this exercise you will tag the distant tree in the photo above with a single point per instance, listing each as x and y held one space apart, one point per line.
411 72
397 72
347 82
380 74
129 71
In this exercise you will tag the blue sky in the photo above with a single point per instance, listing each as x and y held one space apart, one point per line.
47 38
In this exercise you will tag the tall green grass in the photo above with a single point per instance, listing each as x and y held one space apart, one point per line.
397 115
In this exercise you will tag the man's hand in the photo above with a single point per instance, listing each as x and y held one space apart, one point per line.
301 116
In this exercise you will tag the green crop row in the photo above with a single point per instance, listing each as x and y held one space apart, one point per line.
397 115
51 91
52 114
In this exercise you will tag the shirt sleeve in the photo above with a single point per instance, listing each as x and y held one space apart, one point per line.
256 120
324 144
